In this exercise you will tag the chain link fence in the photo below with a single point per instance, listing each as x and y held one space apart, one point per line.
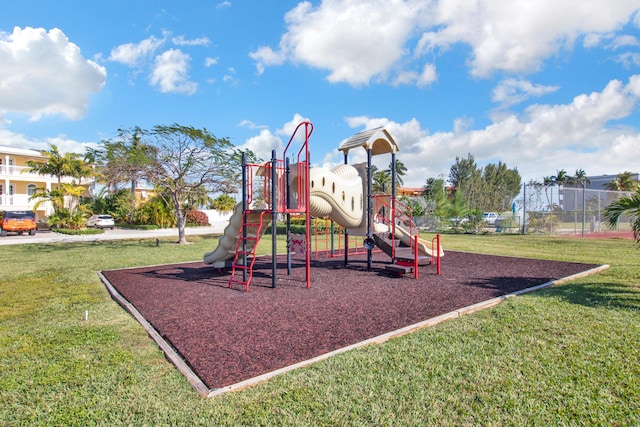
566 209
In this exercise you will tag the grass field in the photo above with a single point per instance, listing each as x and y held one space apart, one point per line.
567 355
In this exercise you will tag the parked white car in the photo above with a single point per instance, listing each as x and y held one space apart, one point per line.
490 217
101 221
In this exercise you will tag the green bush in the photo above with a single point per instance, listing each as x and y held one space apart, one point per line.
78 231
139 226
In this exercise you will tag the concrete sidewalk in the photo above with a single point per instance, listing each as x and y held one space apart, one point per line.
116 234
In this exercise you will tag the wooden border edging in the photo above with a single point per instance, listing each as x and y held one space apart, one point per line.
175 358
168 350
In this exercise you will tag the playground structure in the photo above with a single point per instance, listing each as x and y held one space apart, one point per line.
289 186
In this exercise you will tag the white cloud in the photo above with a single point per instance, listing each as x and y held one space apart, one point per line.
208 62
262 144
200 41
249 124
425 78
131 54
267 141
517 36
355 40
266 57
545 138
43 73
64 143
514 91
359 41
223 4
625 41
169 70
230 76
170 73
629 59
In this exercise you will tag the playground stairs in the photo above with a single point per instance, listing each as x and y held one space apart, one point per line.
253 223
399 252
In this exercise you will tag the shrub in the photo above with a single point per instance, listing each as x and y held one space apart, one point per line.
77 232
195 217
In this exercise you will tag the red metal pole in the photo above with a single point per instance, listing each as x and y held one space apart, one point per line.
415 257
438 249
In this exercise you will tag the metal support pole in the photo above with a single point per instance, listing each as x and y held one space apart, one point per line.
332 236
584 205
393 184
288 190
346 232
369 206
524 209
244 213
438 253
274 214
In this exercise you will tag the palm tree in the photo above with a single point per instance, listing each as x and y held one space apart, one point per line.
381 181
548 182
401 170
561 179
624 181
580 179
56 163
629 206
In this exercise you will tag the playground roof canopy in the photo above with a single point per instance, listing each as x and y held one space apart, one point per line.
377 140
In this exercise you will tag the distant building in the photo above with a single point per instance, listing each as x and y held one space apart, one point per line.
570 195
599 182
410 191
17 186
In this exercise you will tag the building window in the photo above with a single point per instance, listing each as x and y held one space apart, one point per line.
31 189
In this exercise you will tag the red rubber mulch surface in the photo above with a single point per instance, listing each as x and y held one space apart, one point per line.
228 335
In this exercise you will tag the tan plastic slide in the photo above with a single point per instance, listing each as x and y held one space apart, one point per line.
227 243
424 246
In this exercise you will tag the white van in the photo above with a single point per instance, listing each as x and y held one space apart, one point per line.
489 217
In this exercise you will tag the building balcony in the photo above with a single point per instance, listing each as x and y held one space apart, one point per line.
21 202
16 173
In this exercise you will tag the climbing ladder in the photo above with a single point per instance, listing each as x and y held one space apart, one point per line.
246 245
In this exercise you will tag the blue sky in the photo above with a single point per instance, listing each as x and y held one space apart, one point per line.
539 85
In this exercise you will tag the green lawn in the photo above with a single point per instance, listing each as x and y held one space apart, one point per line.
567 355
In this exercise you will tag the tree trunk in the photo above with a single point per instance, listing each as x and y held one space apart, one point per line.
182 222
182 235
132 201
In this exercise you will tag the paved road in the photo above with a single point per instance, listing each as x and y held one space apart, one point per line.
117 234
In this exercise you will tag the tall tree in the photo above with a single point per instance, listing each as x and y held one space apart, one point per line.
381 181
189 159
462 171
549 182
580 177
485 189
55 164
433 188
624 181
401 171
126 159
